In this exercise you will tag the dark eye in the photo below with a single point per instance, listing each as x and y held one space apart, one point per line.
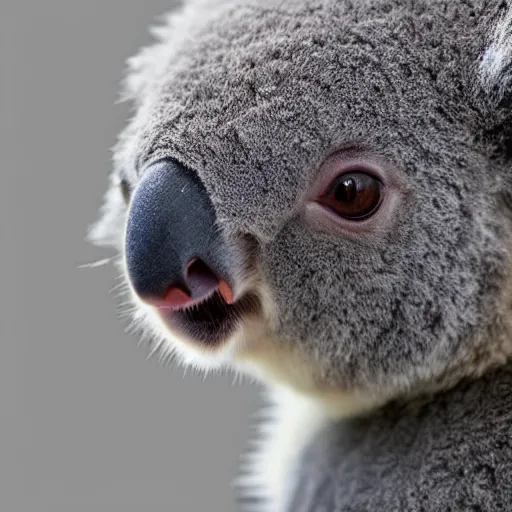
353 195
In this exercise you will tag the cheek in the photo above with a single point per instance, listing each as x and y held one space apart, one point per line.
410 307
330 290
359 311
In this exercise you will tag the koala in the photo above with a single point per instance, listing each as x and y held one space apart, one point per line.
318 194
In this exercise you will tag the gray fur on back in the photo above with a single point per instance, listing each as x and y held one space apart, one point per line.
450 453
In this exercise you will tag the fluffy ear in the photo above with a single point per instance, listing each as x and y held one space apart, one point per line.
495 80
496 63
147 66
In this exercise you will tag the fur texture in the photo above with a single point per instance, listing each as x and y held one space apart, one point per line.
257 96
448 453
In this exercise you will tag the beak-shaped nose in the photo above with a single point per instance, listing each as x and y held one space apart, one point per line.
175 254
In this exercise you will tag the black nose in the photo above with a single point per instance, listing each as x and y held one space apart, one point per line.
175 254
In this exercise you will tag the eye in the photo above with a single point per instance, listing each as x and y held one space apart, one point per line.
353 195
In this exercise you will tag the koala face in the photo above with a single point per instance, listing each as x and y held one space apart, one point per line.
316 191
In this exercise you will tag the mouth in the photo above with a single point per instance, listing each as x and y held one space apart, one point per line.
212 322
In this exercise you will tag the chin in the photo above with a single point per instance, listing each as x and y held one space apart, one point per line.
212 323
210 335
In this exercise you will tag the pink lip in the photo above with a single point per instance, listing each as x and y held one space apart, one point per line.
177 298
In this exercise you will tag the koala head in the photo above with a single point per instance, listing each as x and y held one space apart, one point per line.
319 191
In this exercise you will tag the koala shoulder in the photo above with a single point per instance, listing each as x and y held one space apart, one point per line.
448 452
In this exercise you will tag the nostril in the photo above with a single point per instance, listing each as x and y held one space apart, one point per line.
200 279
200 283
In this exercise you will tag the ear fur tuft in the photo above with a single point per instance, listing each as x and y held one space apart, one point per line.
148 64
496 64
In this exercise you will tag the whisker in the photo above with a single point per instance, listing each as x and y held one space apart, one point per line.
96 264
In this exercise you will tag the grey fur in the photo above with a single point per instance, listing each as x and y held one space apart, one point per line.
451 453
255 95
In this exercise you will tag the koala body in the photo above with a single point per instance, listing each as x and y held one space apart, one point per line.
318 193
451 452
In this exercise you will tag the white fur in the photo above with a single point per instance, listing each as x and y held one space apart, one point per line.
269 470
498 57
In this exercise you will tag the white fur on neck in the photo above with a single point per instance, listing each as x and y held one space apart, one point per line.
269 470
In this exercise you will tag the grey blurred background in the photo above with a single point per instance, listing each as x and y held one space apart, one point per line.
87 421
